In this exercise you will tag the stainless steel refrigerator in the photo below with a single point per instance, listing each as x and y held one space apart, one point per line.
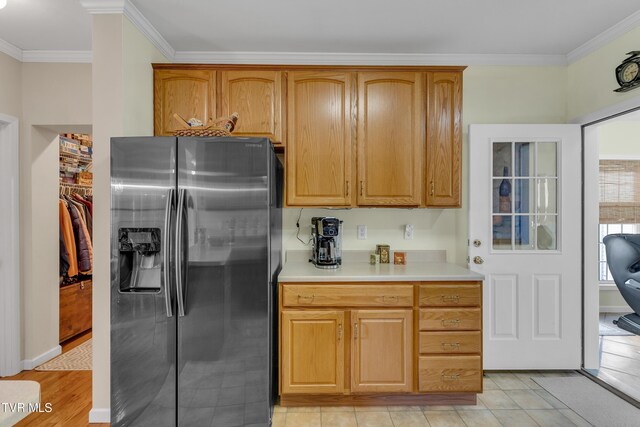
195 253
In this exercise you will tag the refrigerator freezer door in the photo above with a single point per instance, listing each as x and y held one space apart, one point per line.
223 338
143 321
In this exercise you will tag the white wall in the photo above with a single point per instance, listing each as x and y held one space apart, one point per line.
122 106
490 95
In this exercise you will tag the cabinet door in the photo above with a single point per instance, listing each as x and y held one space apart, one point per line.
189 93
312 352
382 350
390 138
257 98
444 139
319 146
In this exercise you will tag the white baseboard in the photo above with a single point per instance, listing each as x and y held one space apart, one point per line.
615 309
99 415
29 364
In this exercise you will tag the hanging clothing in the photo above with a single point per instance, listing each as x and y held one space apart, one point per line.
66 229
83 243
64 256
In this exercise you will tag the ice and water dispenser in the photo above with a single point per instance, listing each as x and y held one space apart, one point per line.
140 259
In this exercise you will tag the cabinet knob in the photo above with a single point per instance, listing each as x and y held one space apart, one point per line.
478 260
347 189
455 377
361 187
477 243
339 331
451 346
433 188
355 331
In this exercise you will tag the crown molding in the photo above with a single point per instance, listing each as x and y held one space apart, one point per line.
332 58
607 36
74 56
125 7
11 50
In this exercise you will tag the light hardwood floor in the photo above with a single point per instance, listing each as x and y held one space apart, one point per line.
69 392
620 363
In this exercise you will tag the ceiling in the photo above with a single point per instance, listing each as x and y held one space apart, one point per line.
540 27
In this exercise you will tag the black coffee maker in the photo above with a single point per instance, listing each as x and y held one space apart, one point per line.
327 242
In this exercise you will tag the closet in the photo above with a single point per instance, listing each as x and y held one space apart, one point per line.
76 234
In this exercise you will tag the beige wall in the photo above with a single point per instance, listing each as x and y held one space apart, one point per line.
591 80
490 95
122 106
10 86
55 98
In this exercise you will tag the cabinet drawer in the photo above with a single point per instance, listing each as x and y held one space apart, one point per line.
450 342
347 295
450 295
450 373
446 319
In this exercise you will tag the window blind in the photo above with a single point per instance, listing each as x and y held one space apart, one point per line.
619 191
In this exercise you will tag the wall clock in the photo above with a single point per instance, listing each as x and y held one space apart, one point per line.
628 73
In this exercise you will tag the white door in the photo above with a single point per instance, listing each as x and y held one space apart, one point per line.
525 237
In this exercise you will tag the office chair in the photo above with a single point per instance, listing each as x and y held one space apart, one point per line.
623 257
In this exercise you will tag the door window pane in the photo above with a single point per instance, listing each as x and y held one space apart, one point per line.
548 159
502 232
502 193
501 159
524 195
524 158
546 199
546 232
523 232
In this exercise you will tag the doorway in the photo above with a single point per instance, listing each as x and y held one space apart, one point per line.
611 200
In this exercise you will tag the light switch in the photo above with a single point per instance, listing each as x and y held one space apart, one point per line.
408 232
362 232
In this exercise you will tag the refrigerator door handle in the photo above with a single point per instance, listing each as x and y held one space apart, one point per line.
179 252
166 249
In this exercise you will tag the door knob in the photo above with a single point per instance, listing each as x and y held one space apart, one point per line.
477 260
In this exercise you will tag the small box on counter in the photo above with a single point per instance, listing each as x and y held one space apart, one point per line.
383 251
399 258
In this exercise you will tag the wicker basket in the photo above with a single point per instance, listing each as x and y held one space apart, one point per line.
220 127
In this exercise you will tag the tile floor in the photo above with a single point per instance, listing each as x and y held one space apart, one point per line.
510 399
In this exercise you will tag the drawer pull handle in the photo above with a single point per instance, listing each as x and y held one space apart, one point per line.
451 298
454 323
339 332
455 377
390 298
355 331
451 346
306 298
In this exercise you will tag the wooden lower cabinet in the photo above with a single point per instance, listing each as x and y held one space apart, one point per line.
312 351
373 344
382 351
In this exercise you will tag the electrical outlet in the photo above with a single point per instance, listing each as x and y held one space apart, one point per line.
408 232
362 232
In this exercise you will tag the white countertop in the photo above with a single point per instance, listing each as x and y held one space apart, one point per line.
300 271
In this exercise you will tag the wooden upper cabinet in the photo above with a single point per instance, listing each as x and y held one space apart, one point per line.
312 357
382 350
257 98
390 138
444 139
319 146
189 93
